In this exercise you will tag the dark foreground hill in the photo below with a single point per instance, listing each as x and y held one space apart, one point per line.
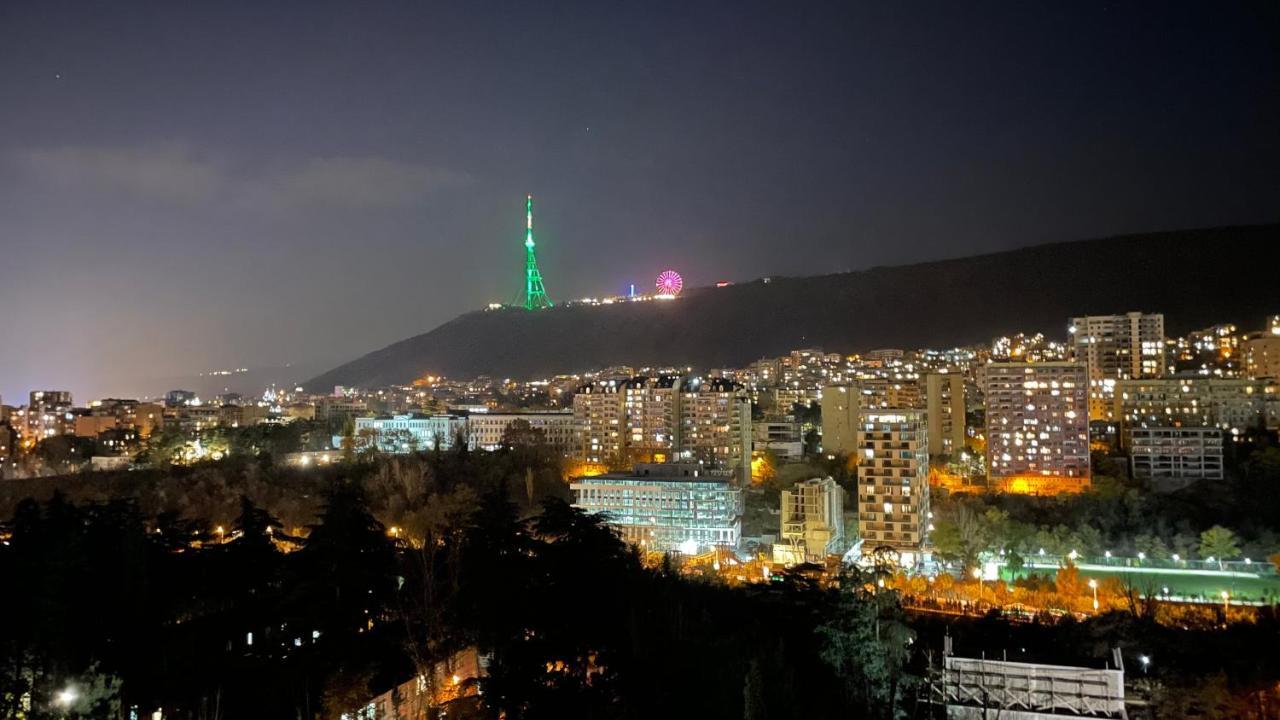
1195 277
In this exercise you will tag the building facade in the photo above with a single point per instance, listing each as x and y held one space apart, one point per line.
893 481
1262 354
715 425
779 435
598 416
841 407
1037 427
665 418
1171 457
1229 404
486 430
812 521
945 412
666 506
406 433
48 414
1114 348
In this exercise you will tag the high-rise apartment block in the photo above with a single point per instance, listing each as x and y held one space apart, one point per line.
1262 351
715 424
1114 348
893 481
945 412
841 406
1037 427
599 416
47 414
812 522
663 419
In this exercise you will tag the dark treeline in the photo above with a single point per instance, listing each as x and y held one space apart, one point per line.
405 561
148 611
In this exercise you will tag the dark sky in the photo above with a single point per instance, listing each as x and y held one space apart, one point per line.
189 186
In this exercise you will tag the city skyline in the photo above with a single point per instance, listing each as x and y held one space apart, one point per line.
186 190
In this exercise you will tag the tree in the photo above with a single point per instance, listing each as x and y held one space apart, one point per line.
347 567
866 643
1219 543
1151 546
349 440
63 452
961 537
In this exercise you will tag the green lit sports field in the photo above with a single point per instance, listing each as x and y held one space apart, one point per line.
1182 583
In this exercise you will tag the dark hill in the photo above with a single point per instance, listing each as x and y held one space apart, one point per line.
1195 277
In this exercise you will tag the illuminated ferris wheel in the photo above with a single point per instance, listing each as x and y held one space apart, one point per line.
669 283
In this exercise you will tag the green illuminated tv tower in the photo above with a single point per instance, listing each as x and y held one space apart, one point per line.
535 294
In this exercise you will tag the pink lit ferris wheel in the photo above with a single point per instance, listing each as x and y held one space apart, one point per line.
669 283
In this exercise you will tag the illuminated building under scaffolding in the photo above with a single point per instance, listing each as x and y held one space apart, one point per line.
666 506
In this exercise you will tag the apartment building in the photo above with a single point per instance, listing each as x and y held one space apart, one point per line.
945 412
1172 457
893 481
665 418
1114 348
1037 427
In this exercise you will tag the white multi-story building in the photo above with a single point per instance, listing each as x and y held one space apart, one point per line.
1114 348
893 481
406 433
666 506
1037 427
1171 457
812 522
486 430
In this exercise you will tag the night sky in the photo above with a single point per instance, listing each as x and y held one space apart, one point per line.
192 186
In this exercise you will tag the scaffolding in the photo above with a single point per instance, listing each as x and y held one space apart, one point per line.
977 688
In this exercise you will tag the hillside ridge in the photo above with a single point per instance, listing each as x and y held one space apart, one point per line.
1195 277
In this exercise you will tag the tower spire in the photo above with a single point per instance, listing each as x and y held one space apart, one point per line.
535 294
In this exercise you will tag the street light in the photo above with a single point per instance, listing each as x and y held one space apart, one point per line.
977 574
66 697
1176 558
1093 585
1226 601
1146 662
1141 556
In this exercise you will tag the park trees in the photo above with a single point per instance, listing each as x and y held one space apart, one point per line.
1219 543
